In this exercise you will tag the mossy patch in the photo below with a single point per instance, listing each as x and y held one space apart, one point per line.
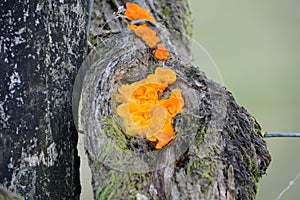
116 184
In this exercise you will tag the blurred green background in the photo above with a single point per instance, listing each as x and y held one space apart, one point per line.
256 46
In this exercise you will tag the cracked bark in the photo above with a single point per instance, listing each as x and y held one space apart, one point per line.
226 154
42 44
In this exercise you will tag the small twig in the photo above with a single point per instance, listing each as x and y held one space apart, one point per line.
292 182
266 135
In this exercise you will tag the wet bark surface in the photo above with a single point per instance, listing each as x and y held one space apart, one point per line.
223 156
42 44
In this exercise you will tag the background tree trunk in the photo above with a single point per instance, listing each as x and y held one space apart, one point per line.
218 152
42 45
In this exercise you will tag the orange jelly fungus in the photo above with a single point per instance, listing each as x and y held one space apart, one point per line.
134 12
146 34
144 113
160 52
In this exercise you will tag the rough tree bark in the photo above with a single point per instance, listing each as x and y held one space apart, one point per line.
219 152
42 44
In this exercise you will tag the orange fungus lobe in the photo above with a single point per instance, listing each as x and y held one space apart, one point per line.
135 12
160 52
144 113
147 35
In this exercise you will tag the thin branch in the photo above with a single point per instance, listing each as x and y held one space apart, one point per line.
292 182
267 135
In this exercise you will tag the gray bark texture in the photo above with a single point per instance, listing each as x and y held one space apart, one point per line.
218 153
42 44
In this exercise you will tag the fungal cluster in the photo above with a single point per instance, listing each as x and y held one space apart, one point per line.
143 31
144 111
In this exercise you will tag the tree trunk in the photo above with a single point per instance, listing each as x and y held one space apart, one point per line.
218 152
42 46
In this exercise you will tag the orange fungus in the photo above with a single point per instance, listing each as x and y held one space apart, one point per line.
160 52
146 34
135 12
144 113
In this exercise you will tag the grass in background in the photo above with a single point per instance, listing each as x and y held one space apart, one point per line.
256 45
